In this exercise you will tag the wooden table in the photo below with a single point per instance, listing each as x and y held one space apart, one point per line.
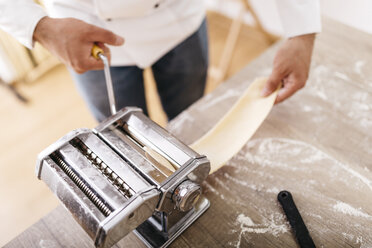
317 145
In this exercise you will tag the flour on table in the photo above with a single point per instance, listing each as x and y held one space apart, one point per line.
347 209
306 153
274 190
358 66
348 236
182 120
359 111
48 243
342 76
307 108
212 189
248 226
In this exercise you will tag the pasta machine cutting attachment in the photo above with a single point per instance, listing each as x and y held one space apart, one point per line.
128 174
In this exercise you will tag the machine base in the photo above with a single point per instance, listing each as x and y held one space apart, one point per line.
153 238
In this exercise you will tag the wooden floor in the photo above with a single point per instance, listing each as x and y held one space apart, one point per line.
55 109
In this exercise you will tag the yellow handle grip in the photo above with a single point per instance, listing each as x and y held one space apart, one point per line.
96 50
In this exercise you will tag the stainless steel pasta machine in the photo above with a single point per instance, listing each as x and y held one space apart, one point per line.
128 174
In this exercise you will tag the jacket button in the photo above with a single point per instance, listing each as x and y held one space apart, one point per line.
156 5
108 19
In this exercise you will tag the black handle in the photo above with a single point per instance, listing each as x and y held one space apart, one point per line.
295 219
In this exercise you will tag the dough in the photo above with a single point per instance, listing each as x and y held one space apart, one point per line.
161 163
238 125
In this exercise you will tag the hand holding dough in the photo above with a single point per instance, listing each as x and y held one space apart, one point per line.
237 126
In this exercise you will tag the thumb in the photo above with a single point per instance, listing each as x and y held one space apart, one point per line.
271 84
105 36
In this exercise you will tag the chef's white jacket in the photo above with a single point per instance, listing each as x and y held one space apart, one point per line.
151 28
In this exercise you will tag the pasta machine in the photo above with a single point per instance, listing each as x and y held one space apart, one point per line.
128 174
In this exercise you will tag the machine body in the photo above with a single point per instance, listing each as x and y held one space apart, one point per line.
128 174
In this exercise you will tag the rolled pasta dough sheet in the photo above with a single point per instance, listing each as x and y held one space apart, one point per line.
237 126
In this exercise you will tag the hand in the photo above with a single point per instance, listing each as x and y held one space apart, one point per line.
71 40
291 67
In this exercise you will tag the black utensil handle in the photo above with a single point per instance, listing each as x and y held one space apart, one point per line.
295 219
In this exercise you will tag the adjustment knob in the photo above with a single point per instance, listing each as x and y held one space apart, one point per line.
186 195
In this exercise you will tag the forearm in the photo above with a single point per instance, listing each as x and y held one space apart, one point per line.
19 18
304 42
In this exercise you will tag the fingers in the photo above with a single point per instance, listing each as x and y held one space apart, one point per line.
99 37
85 63
105 49
272 83
97 34
88 64
290 86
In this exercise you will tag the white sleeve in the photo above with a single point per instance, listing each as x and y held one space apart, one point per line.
299 17
19 18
